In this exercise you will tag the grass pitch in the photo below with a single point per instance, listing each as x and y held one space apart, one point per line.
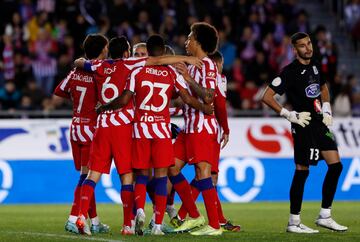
263 221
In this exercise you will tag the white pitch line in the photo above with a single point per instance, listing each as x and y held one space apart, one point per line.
63 236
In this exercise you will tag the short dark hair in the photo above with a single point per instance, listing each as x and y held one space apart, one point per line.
216 56
118 46
155 45
93 45
169 50
299 35
206 35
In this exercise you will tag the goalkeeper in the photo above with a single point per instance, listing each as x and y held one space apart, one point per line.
308 95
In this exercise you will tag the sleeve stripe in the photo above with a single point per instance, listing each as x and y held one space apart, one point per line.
133 62
203 79
179 81
132 79
66 80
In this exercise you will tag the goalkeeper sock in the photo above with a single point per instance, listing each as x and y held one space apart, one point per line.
297 190
330 184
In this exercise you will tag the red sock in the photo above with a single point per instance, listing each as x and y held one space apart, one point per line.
195 193
182 187
209 195
76 203
127 198
87 191
140 191
160 199
222 218
92 209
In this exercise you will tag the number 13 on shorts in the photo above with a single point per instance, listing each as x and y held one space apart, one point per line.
314 154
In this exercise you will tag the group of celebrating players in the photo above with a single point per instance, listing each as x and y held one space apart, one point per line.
121 112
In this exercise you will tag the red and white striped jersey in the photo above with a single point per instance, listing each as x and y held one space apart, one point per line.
111 77
221 85
153 87
81 88
220 106
196 121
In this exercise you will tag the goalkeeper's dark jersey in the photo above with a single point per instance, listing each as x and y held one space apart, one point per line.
301 84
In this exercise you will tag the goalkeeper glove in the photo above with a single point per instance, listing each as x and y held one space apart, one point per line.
327 115
301 119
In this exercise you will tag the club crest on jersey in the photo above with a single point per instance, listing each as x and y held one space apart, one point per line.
315 70
211 74
276 82
312 90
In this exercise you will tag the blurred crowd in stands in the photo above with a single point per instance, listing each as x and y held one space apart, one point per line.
41 38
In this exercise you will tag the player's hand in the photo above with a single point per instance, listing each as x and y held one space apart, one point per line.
301 119
80 62
182 69
207 109
327 115
191 60
224 140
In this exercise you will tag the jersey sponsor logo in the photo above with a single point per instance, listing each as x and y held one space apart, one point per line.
313 90
155 72
315 70
276 82
303 72
268 138
147 118
7 180
240 167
